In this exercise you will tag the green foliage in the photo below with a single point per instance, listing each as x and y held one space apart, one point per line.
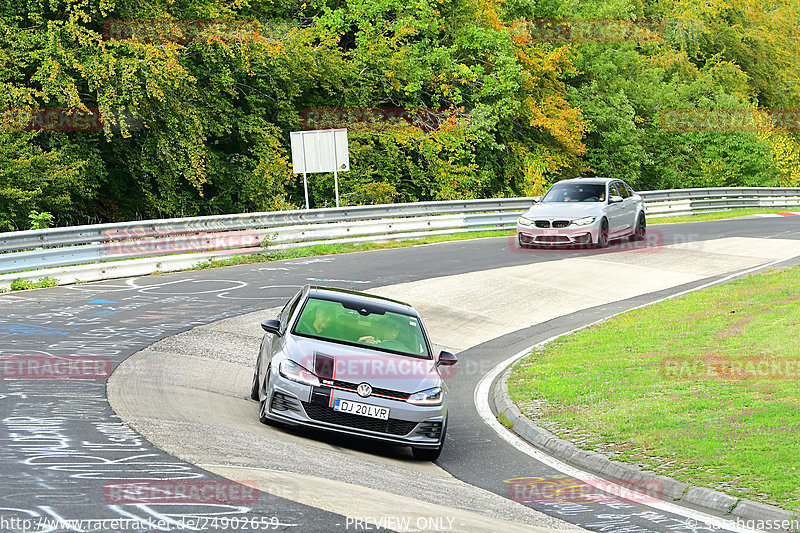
40 220
20 284
200 125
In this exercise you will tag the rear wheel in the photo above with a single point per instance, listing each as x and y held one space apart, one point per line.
641 229
430 454
602 235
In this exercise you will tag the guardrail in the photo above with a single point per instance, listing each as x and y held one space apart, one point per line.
692 201
245 233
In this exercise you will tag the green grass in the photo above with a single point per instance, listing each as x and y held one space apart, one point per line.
674 388
719 215
343 248
20 284
505 421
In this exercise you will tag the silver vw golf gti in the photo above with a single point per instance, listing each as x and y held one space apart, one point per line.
353 363
584 211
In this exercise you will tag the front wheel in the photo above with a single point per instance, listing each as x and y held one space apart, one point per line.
641 229
254 387
602 235
262 404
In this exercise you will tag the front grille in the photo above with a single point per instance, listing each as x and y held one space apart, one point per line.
542 223
561 223
375 390
326 414
555 239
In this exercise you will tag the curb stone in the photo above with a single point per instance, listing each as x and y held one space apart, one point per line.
596 463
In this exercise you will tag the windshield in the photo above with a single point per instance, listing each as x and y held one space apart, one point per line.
576 192
374 328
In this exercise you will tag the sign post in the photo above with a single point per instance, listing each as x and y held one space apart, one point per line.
317 151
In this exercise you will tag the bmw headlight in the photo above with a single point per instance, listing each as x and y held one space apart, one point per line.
585 221
523 221
432 396
292 371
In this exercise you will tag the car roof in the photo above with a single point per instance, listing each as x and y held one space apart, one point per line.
595 180
354 299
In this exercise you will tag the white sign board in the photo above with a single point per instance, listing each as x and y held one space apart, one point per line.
320 151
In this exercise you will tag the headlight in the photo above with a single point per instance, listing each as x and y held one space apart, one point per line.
432 396
583 221
525 221
293 371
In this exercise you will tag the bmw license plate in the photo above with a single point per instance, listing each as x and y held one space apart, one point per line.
362 409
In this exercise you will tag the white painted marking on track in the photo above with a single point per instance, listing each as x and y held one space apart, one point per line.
481 399
15 298
335 280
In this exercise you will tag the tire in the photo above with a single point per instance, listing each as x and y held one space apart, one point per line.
262 404
641 229
602 235
430 454
254 387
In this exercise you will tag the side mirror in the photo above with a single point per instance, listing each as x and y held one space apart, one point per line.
272 326
537 199
447 359
614 199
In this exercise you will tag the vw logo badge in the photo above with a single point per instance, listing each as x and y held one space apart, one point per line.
364 390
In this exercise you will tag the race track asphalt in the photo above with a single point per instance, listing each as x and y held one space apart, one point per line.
62 444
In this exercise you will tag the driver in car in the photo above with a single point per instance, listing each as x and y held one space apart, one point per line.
390 331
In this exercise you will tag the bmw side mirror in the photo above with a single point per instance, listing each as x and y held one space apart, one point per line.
446 358
537 199
614 199
272 326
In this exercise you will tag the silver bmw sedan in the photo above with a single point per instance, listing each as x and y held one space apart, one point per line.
584 211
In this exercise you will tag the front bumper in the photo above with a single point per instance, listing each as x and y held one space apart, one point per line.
293 403
570 236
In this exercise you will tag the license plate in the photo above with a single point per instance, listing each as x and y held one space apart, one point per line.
362 409
551 232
